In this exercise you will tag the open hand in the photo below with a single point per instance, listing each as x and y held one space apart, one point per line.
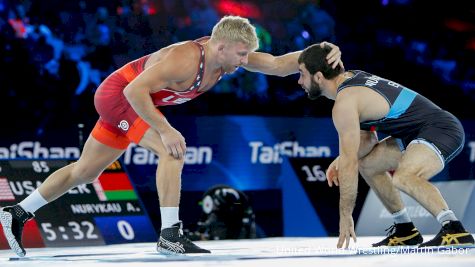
334 57
347 230
174 142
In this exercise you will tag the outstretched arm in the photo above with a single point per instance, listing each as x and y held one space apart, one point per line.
286 64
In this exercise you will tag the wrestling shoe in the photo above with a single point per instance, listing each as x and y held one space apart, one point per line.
13 218
401 234
172 241
451 234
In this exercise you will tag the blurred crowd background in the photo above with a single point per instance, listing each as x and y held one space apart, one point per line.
54 53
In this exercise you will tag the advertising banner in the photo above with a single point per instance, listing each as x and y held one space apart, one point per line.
284 158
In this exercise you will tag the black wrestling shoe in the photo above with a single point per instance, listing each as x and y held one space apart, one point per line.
401 234
451 234
13 218
172 241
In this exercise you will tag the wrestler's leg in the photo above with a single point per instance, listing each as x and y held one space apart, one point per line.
94 159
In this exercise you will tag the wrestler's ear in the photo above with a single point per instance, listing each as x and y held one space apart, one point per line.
221 46
318 76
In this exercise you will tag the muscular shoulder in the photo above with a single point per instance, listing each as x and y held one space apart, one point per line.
347 96
179 61
345 101
368 103
185 53
346 113
355 94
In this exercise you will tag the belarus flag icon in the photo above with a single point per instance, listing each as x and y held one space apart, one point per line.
114 186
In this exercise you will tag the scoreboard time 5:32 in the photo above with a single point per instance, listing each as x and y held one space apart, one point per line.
107 211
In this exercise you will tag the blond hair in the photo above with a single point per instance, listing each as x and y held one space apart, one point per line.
236 29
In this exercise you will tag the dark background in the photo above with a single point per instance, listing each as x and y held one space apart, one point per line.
53 54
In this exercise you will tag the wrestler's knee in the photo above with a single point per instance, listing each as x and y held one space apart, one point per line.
168 159
367 166
403 178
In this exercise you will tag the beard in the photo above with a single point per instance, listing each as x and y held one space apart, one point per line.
314 91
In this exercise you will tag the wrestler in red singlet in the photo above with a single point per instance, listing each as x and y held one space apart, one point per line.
119 124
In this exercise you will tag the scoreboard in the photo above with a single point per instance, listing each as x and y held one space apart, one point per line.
107 211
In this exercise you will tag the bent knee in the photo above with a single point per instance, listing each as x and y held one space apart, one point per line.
400 180
363 165
169 159
404 179
367 167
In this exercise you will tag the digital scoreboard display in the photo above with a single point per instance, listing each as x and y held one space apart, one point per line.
107 211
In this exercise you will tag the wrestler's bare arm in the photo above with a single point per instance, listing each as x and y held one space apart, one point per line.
173 67
268 64
346 119
286 64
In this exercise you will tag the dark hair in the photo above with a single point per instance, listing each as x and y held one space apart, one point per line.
314 58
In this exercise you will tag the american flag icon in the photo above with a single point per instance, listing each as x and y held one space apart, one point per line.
6 193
